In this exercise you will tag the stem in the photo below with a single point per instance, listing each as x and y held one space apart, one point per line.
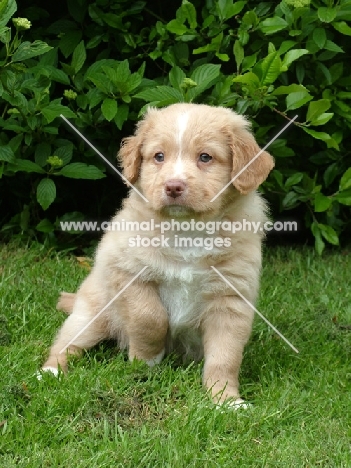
155 15
5 110
299 124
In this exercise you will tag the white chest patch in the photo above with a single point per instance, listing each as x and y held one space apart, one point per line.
181 296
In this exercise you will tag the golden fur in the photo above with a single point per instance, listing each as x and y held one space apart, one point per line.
178 302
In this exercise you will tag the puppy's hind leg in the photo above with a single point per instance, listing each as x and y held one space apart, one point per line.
66 302
80 331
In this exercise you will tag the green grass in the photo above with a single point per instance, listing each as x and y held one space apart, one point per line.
108 412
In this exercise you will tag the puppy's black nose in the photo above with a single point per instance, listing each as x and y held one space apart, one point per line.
174 188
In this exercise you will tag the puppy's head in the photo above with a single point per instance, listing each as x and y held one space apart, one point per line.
183 155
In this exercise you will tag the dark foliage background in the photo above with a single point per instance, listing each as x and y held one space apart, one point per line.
99 63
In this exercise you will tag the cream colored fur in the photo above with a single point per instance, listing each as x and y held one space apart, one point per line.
178 303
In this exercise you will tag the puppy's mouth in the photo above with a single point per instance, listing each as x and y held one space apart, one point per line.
177 210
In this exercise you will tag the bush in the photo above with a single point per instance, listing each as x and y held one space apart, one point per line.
100 63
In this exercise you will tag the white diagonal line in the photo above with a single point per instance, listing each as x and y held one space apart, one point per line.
253 159
254 308
103 309
103 157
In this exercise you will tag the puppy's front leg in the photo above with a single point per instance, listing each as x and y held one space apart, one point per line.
226 329
146 323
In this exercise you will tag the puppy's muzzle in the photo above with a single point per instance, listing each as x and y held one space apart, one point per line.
175 188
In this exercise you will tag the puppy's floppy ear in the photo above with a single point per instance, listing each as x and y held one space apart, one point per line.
244 149
129 156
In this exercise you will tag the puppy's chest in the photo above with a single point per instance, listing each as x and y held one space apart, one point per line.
181 295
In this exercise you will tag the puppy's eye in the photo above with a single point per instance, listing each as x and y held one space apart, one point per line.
159 157
205 158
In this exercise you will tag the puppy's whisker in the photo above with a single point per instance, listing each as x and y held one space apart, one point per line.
254 308
103 158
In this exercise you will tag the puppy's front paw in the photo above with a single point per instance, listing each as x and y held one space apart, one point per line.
238 404
53 370
155 360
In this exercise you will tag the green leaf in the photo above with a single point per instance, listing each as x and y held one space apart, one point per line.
321 203
326 14
322 119
57 75
7 10
15 142
320 37
293 55
204 75
109 109
331 143
330 174
329 234
342 27
24 165
176 27
345 181
42 152
273 25
46 193
94 41
69 41
293 88
55 109
78 58
319 243
133 82
247 78
227 9
5 35
115 21
160 93
291 200
189 12
207 48
330 45
6 154
316 108
269 68
280 149
28 50
297 99
344 197
223 57
285 46
95 96
121 116
45 226
238 51
294 179
123 71
336 71
248 62
81 171
65 153
176 77
325 72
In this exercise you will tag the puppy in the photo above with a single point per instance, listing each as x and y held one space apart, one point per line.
161 295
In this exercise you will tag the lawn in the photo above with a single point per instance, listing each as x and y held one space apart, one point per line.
110 413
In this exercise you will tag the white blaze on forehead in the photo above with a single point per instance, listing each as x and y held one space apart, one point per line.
182 122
